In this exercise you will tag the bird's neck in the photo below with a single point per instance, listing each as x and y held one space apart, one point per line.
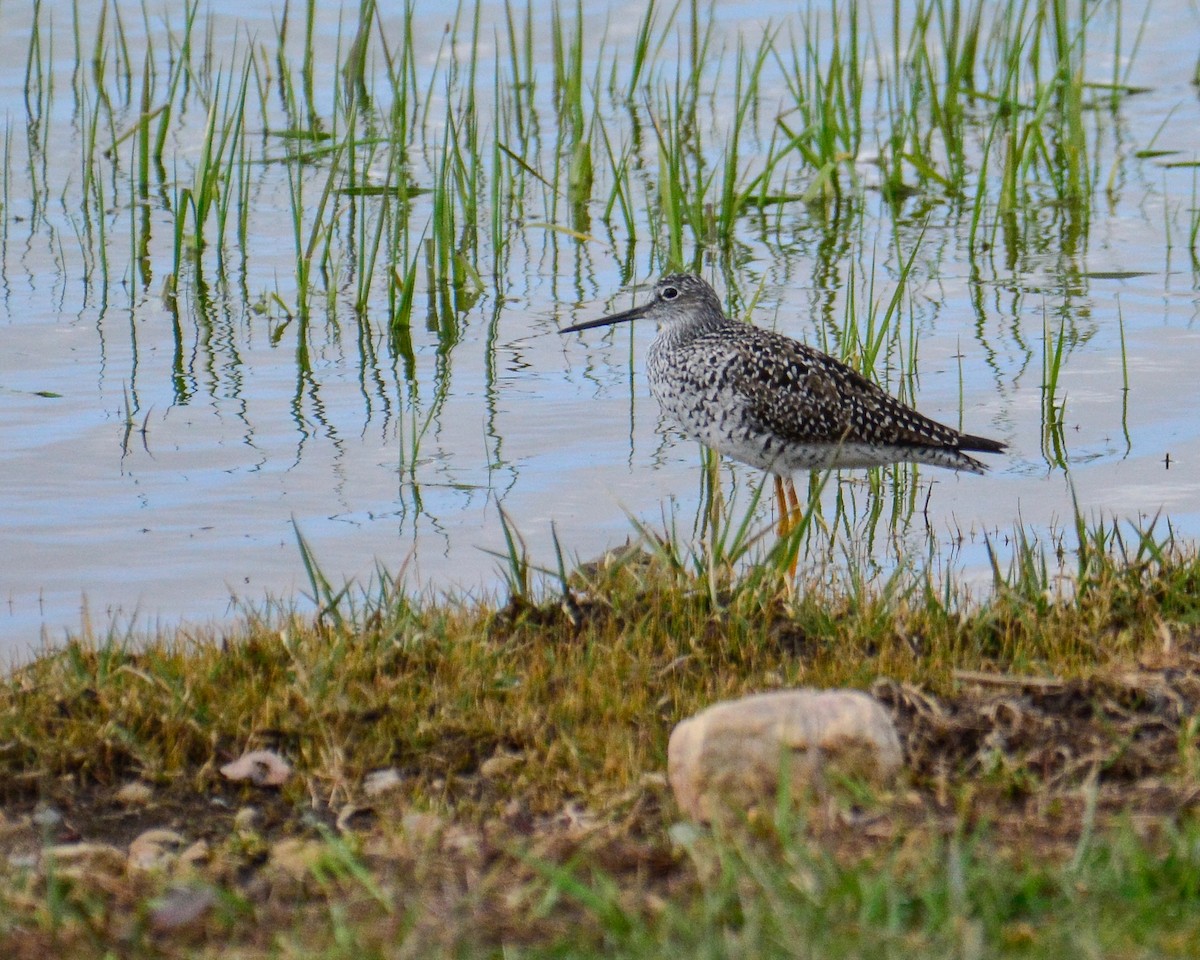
681 331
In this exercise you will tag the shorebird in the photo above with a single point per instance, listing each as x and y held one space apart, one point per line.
774 402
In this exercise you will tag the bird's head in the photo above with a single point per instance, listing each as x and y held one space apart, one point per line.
677 297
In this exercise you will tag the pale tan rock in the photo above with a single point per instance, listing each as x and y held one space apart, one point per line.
499 765
378 782
135 794
263 768
155 849
730 756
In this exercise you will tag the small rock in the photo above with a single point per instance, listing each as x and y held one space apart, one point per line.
730 755
135 794
155 849
263 768
46 817
180 907
378 782
245 819
499 765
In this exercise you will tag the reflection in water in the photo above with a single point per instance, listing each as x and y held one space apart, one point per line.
258 269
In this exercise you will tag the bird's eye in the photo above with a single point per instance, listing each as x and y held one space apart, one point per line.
670 293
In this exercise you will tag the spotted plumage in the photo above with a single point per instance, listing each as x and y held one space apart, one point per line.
773 402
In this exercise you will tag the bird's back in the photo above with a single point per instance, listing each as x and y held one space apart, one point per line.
780 405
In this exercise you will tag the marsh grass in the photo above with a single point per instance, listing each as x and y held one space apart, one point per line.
527 741
1011 74
528 732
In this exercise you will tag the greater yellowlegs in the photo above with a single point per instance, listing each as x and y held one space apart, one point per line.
775 403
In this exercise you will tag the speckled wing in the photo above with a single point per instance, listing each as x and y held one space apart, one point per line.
804 396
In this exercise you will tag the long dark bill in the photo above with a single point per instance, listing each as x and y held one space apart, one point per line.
605 321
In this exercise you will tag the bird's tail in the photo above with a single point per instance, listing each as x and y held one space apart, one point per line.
980 444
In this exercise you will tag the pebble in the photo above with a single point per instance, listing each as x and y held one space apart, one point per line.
728 757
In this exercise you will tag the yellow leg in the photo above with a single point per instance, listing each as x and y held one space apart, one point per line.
793 499
781 505
793 522
788 503
789 515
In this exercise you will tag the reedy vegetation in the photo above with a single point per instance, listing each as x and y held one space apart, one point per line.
404 175
412 185
409 180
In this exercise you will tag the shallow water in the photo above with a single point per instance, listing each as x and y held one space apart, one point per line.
153 464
